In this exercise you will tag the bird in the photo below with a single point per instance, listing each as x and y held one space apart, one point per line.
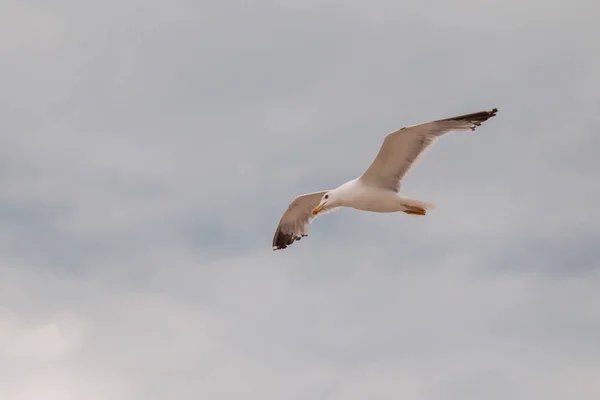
377 189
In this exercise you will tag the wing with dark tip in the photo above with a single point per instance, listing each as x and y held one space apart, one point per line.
402 148
296 219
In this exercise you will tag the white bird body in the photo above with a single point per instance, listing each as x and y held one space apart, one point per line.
363 197
377 189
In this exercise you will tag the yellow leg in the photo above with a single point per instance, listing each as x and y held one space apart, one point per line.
412 210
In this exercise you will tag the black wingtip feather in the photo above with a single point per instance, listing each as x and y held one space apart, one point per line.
282 240
475 118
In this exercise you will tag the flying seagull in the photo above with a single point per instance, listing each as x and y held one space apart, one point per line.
376 190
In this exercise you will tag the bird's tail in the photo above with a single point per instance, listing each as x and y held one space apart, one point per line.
416 203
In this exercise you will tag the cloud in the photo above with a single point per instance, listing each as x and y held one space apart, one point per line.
149 150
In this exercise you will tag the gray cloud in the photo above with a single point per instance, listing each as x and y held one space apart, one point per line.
149 149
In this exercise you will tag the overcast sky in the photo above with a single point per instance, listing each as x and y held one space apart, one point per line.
148 150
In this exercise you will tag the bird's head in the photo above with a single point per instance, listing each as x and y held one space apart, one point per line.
329 200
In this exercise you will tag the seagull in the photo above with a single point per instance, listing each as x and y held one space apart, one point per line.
377 189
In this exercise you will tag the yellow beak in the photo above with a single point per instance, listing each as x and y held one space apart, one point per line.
317 209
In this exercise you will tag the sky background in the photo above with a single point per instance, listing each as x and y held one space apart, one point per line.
148 150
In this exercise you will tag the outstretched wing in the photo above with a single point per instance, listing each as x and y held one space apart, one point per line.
295 221
402 148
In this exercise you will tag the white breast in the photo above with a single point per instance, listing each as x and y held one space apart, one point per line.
368 198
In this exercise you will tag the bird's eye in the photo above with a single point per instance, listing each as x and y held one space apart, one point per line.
326 196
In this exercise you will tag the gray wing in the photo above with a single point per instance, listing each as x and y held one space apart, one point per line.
402 148
296 219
